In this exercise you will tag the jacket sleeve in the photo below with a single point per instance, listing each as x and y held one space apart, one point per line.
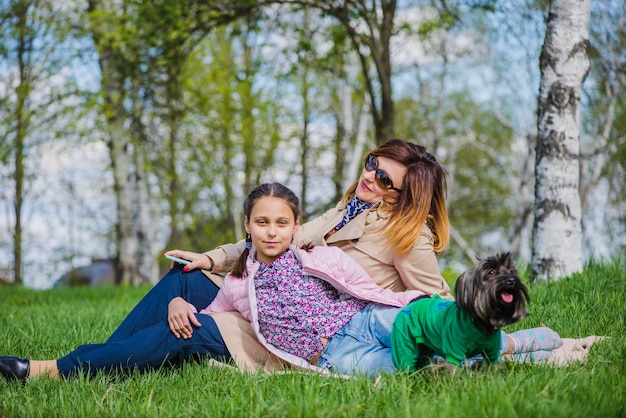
222 302
225 256
358 279
419 269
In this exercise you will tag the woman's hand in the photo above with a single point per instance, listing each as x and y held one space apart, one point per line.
181 317
198 260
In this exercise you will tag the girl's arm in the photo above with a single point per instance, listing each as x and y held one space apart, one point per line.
226 298
358 279
181 318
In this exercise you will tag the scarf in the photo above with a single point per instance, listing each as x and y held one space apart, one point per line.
353 208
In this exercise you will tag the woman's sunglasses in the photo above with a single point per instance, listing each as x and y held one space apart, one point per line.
382 178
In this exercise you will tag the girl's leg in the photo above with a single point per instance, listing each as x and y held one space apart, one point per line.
146 349
531 340
363 346
524 346
192 286
529 345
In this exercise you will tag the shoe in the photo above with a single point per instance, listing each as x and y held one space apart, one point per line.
14 368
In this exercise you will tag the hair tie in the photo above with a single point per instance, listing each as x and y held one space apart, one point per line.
248 242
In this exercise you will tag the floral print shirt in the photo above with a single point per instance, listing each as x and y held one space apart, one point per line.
296 310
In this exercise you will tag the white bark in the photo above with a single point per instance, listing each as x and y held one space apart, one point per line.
127 239
564 64
147 246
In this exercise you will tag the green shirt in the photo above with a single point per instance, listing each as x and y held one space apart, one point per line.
437 325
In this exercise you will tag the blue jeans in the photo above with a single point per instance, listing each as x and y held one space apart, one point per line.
143 341
363 345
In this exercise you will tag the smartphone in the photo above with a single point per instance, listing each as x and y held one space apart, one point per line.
178 260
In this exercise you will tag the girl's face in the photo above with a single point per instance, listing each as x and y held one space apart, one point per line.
370 191
272 226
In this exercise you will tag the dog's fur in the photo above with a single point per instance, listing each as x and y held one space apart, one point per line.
482 292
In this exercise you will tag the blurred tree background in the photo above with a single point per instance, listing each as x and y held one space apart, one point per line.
131 127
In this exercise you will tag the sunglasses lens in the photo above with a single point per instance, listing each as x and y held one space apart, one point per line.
383 179
371 163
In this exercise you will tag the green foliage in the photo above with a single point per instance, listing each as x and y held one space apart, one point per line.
47 324
477 154
445 20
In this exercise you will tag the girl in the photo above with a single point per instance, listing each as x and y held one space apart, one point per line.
311 307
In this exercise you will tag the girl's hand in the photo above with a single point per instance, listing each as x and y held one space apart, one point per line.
181 317
198 260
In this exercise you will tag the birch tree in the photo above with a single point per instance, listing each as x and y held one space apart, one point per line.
564 64
142 48
31 34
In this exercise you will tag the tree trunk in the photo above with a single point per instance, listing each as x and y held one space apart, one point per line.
523 198
370 26
147 266
126 237
22 123
564 64
113 67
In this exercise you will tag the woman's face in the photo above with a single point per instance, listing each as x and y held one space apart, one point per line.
370 191
272 226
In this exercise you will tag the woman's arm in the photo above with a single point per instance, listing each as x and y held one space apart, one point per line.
224 256
419 268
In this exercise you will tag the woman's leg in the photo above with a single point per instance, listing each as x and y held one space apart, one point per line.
192 286
146 349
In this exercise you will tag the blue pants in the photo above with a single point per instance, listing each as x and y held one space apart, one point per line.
363 345
143 341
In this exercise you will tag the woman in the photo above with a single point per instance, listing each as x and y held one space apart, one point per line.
401 184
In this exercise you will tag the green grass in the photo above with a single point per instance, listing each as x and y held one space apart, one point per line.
48 324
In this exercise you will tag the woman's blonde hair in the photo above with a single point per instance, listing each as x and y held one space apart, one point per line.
422 200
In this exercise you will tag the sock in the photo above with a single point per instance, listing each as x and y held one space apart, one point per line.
534 339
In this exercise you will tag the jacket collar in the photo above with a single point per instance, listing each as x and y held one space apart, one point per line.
354 229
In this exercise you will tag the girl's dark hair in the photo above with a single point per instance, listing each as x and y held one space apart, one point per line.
264 190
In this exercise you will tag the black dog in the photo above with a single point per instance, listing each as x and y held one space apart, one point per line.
488 297
492 294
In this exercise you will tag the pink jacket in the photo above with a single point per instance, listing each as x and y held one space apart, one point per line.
327 263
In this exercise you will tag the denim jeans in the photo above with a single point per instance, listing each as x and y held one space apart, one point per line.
363 345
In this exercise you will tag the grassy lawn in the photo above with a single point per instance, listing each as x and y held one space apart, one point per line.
48 324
